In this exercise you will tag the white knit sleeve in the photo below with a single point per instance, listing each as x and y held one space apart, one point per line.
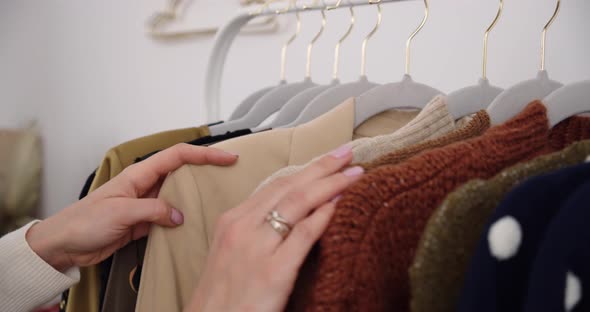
26 281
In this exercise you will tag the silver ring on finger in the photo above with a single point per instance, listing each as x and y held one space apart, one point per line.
279 224
277 216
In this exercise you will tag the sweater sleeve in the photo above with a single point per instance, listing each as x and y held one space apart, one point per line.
26 280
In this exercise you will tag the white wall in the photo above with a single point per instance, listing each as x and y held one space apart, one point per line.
89 74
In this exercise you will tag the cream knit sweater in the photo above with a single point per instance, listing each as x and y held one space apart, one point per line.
26 281
433 121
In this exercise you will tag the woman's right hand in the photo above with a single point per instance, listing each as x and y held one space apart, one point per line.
251 267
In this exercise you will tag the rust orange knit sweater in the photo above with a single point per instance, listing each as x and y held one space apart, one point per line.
476 126
361 262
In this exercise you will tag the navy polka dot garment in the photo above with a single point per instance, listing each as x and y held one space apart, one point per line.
560 275
498 274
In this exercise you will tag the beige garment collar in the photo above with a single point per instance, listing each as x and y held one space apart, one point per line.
333 129
433 121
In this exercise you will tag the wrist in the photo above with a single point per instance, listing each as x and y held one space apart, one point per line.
49 244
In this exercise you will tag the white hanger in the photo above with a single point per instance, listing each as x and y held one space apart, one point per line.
469 100
335 95
223 41
514 99
295 106
246 105
271 101
406 93
567 101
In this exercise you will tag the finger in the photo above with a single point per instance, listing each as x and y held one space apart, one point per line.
293 251
129 212
325 166
297 205
145 174
140 230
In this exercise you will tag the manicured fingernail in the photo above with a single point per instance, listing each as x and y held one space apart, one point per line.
342 151
177 217
354 171
233 154
336 199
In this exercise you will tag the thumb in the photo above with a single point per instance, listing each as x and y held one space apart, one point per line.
151 210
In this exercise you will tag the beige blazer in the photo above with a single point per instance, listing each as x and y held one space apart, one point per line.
175 258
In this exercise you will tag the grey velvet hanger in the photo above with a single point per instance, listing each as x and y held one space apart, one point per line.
271 101
514 99
246 105
335 95
295 106
567 101
406 93
472 99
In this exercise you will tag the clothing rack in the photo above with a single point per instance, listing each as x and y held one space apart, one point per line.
228 32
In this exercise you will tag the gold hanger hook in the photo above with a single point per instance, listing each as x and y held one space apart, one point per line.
485 40
314 40
346 34
366 40
409 41
544 33
292 3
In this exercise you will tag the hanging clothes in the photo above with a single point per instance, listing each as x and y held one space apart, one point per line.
119 289
560 275
432 122
65 296
468 127
388 121
85 296
370 242
498 273
174 259
453 230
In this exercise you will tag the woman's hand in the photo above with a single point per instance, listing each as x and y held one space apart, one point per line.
120 211
251 267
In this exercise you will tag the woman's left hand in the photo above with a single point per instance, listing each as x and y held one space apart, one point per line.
120 211
259 246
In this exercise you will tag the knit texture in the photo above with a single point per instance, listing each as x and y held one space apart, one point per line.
562 261
361 262
468 128
498 272
27 281
453 230
432 122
